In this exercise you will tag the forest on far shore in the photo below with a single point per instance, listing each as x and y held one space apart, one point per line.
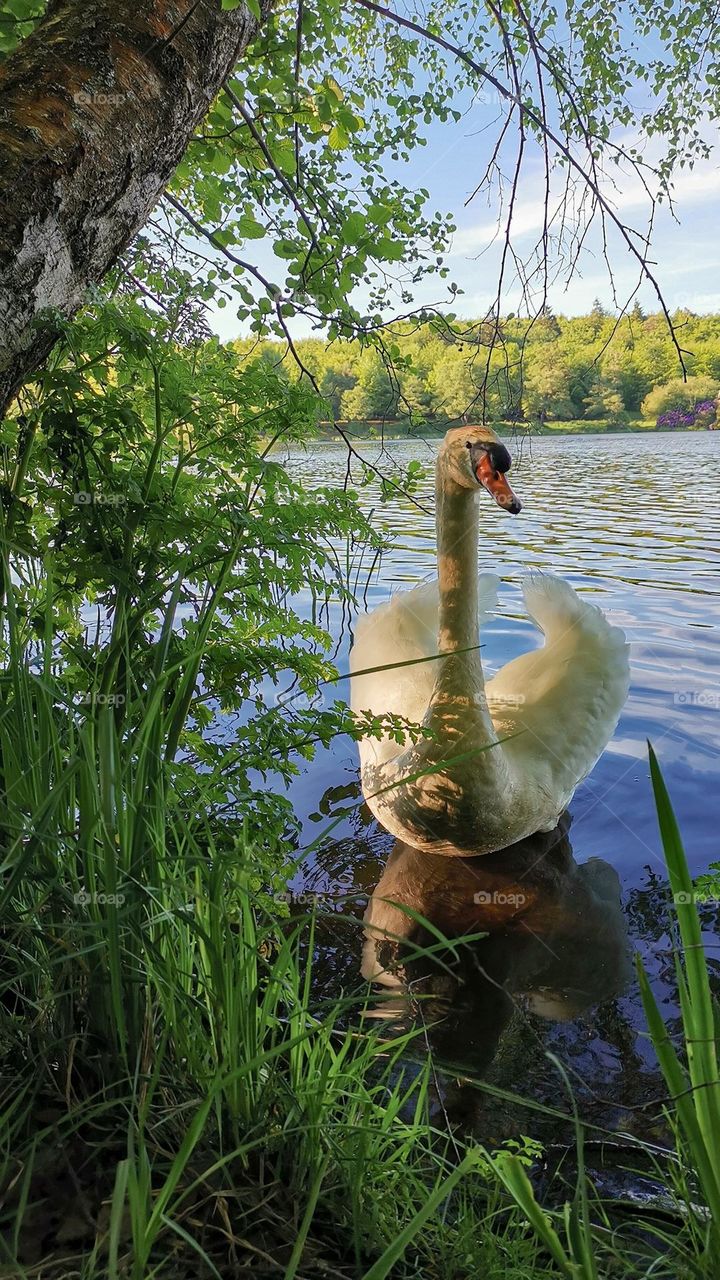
597 367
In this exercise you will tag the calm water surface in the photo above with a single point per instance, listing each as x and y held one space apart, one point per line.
633 523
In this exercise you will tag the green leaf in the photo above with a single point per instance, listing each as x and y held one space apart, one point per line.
510 1171
389 250
285 249
338 138
354 229
284 157
332 84
379 213
385 1264
248 228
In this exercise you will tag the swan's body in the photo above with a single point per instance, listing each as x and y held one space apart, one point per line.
525 740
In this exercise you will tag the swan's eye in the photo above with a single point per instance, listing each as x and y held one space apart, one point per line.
500 459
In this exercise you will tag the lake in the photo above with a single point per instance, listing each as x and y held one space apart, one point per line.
633 523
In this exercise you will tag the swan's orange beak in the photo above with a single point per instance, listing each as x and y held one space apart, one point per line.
496 484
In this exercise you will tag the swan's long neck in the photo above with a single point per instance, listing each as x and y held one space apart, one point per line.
458 705
457 550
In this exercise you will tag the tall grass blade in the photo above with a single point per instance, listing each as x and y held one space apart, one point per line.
514 1178
695 1093
382 1268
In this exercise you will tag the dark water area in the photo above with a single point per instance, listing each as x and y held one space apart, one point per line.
633 523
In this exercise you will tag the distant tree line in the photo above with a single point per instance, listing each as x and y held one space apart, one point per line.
557 368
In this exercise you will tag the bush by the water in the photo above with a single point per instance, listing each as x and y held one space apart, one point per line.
702 414
682 403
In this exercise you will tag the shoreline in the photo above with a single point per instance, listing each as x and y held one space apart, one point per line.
372 431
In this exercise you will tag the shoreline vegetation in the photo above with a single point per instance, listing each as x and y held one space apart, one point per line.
398 429
596 373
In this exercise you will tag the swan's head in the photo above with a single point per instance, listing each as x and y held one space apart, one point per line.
473 457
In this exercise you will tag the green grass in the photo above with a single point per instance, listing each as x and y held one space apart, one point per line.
398 429
175 1097
599 426
177 1101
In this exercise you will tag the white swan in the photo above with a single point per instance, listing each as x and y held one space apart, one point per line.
545 718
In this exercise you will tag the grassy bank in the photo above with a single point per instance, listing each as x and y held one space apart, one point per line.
399 429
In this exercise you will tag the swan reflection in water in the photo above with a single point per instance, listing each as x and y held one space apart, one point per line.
555 941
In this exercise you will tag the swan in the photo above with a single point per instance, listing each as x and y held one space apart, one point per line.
496 762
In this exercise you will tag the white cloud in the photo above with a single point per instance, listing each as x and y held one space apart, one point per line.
623 191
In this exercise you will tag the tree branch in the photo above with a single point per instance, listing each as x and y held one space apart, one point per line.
531 114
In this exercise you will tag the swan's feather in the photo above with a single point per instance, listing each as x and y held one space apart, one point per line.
402 630
564 699
554 711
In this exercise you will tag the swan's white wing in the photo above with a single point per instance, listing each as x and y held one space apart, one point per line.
404 629
563 700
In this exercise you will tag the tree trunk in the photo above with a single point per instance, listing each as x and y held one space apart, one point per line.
96 109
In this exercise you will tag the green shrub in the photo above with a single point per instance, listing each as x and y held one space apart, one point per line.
680 395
